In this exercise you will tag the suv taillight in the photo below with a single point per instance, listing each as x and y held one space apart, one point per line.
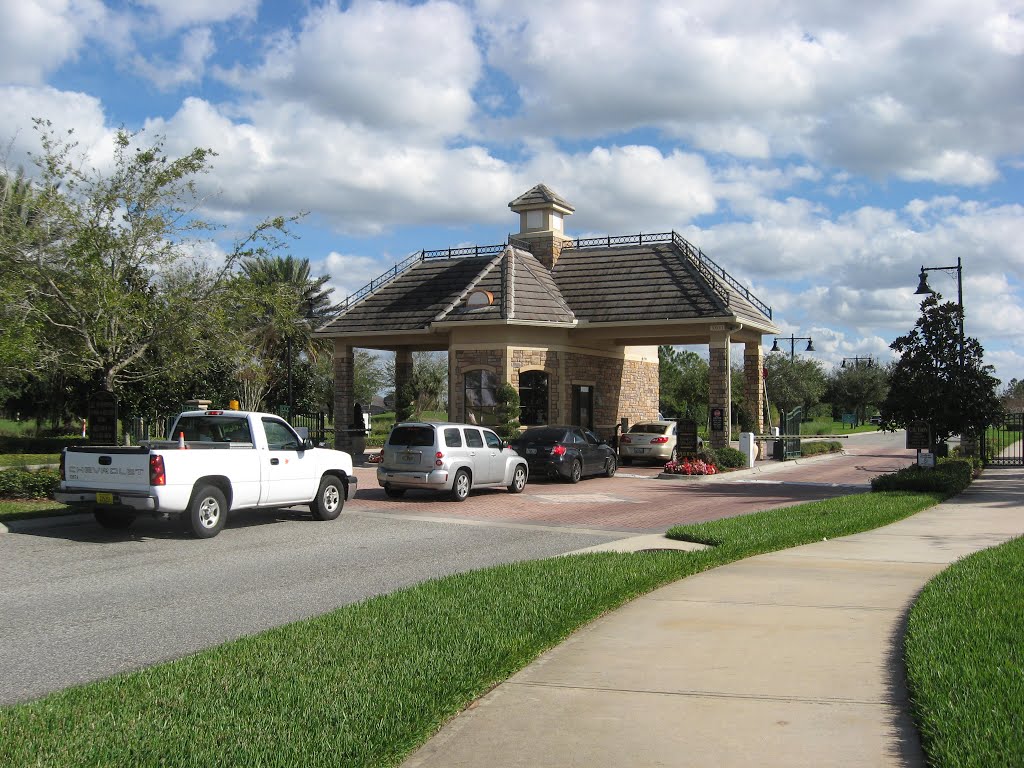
438 459
558 450
157 476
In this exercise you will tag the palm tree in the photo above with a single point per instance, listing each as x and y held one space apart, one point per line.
293 304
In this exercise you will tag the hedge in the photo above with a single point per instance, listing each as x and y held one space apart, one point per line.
949 477
815 447
729 457
26 484
10 444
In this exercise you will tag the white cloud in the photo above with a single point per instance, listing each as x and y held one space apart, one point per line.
38 36
185 13
18 105
916 90
383 65
197 47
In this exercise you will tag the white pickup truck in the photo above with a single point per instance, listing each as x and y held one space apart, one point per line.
221 461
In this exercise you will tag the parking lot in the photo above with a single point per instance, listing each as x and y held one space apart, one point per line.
635 500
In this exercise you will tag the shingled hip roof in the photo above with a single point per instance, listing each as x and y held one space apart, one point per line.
598 281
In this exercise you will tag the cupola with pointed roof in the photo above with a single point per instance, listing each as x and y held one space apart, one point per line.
542 215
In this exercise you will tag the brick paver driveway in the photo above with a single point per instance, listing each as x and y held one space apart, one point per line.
635 501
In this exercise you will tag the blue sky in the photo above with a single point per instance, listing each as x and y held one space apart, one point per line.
820 152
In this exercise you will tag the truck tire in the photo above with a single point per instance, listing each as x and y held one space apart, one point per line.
518 479
207 512
330 498
114 519
461 485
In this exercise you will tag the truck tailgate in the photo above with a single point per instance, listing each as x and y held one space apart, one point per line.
107 468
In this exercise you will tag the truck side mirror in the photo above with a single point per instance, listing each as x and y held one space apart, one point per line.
307 444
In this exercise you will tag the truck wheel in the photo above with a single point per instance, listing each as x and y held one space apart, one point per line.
461 486
207 512
393 493
518 479
330 498
114 519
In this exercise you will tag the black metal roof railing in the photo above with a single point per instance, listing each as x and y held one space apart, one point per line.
709 269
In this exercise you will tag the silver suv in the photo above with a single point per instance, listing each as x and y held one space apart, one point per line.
442 456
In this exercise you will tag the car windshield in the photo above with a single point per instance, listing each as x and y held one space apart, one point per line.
542 435
412 435
652 429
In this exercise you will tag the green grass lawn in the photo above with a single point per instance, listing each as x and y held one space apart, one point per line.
26 459
964 651
366 684
833 428
23 510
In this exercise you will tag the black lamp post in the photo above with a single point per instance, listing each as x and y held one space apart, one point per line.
792 345
924 289
868 361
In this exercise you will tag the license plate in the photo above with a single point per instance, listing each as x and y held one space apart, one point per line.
104 498
642 450
531 451
410 458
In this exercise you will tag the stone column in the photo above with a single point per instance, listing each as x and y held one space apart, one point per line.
403 372
753 389
344 394
720 384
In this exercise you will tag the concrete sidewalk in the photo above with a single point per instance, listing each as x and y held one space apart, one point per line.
787 659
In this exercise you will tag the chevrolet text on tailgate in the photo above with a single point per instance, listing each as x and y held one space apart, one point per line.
220 461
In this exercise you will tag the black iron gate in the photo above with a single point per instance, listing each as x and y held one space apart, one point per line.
1002 444
789 424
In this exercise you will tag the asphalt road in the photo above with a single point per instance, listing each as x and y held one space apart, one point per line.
80 603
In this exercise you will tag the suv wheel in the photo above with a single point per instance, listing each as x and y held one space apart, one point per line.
518 479
461 486
576 472
393 493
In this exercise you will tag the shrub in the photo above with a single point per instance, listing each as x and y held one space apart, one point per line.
816 447
25 484
37 444
949 477
730 457
507 412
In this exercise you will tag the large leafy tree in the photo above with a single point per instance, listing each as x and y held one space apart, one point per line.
855 388
937 381
799 381
684 383
1012 396
19 329
110 259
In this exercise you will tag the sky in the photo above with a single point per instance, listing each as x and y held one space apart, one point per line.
821 151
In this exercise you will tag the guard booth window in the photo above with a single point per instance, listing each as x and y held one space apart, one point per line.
533 398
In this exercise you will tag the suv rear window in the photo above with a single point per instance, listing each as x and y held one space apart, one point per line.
412 435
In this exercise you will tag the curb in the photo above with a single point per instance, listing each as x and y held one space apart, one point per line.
723 477
40 523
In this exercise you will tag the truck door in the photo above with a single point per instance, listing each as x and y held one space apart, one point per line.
289 472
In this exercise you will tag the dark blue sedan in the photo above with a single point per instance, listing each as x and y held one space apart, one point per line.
566 452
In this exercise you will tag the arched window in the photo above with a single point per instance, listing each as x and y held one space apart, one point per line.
533 398
481 389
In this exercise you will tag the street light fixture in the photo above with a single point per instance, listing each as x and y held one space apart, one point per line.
924 289
792 345
868 361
